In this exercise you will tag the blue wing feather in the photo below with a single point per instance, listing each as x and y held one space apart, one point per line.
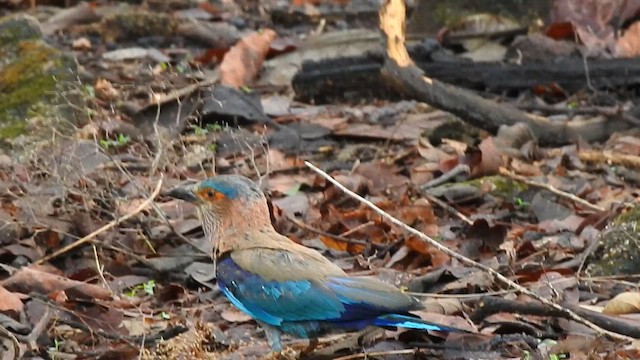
308 307
274 302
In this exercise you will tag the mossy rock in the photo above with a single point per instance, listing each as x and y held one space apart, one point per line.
618 251
35 79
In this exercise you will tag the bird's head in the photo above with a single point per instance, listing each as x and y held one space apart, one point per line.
226 202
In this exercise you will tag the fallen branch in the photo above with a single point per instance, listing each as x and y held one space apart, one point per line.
492 305
610 158
563 194
465 260
352 79
108 226
401 71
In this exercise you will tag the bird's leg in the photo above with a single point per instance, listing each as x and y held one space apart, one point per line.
273 337
313 344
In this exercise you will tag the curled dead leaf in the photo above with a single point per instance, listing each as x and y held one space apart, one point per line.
624 303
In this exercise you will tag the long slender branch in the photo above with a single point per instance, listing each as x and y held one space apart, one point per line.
465 260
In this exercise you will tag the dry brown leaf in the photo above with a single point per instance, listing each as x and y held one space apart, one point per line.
453 146
235 316
491 160
384 178
242 63
624 303
447 320
445 306
81 44
9 301
105 91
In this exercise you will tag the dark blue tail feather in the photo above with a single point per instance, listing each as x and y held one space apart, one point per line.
410 322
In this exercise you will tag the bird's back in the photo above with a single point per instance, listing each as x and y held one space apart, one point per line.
301 292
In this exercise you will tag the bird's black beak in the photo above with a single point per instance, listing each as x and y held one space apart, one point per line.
184 193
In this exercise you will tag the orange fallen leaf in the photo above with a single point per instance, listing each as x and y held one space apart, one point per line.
242 63
341 245
438 258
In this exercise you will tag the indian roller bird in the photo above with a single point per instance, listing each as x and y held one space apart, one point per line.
286 287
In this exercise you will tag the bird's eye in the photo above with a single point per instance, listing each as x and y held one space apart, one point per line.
210 194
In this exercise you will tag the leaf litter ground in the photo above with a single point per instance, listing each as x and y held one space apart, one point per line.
144 287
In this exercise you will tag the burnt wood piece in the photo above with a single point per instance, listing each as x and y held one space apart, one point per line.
357 78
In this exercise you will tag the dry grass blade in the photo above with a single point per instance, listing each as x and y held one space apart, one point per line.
108 226
465 260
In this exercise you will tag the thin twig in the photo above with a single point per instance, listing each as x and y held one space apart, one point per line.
459 296
465 260
460 169
100 269
357 228
157 209
108 226
340 238
448 208
379 353
564 194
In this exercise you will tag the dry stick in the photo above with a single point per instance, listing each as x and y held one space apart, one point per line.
460 169
560 193
108 226
611 158
465 260
460 296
